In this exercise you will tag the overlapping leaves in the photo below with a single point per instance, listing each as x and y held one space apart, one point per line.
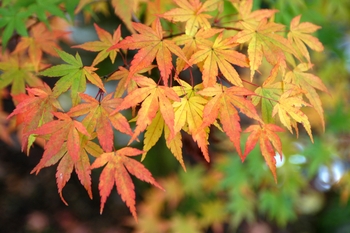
160 106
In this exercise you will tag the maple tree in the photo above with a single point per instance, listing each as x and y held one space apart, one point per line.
157 83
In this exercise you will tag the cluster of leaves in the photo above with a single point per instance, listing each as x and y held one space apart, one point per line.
163 95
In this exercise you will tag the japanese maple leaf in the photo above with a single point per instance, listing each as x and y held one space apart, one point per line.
151 45
126 82
268 94
41 40
299 35
264 41
99 120
34 110
192 42
288 109
67 141
246 14
219 55
153 97
269 143
124 10
224 106
101 46
18 70
309 83
66 165
154 131
189 115
64 129
117 170
192 12
73 75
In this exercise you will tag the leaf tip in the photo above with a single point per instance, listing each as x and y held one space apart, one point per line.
62 198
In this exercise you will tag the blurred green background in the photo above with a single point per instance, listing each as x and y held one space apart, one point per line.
313 190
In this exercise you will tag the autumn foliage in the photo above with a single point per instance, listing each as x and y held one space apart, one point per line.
157 88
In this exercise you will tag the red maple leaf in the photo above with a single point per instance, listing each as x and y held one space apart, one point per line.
64 129
269 143
224 106
33 110
67 142
117 170
99 120
152 46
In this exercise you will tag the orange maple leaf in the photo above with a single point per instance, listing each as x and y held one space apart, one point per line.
41 40
219 55
192 42
269 143
288 109
126 82
192 12
224 106
106 41
64 129
152 46
34 110
117 170
67 141
99 120
153 97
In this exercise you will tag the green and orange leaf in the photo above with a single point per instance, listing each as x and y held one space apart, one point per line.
18 71
117 169
73 76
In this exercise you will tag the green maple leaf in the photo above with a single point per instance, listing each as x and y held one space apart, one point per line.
11 20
